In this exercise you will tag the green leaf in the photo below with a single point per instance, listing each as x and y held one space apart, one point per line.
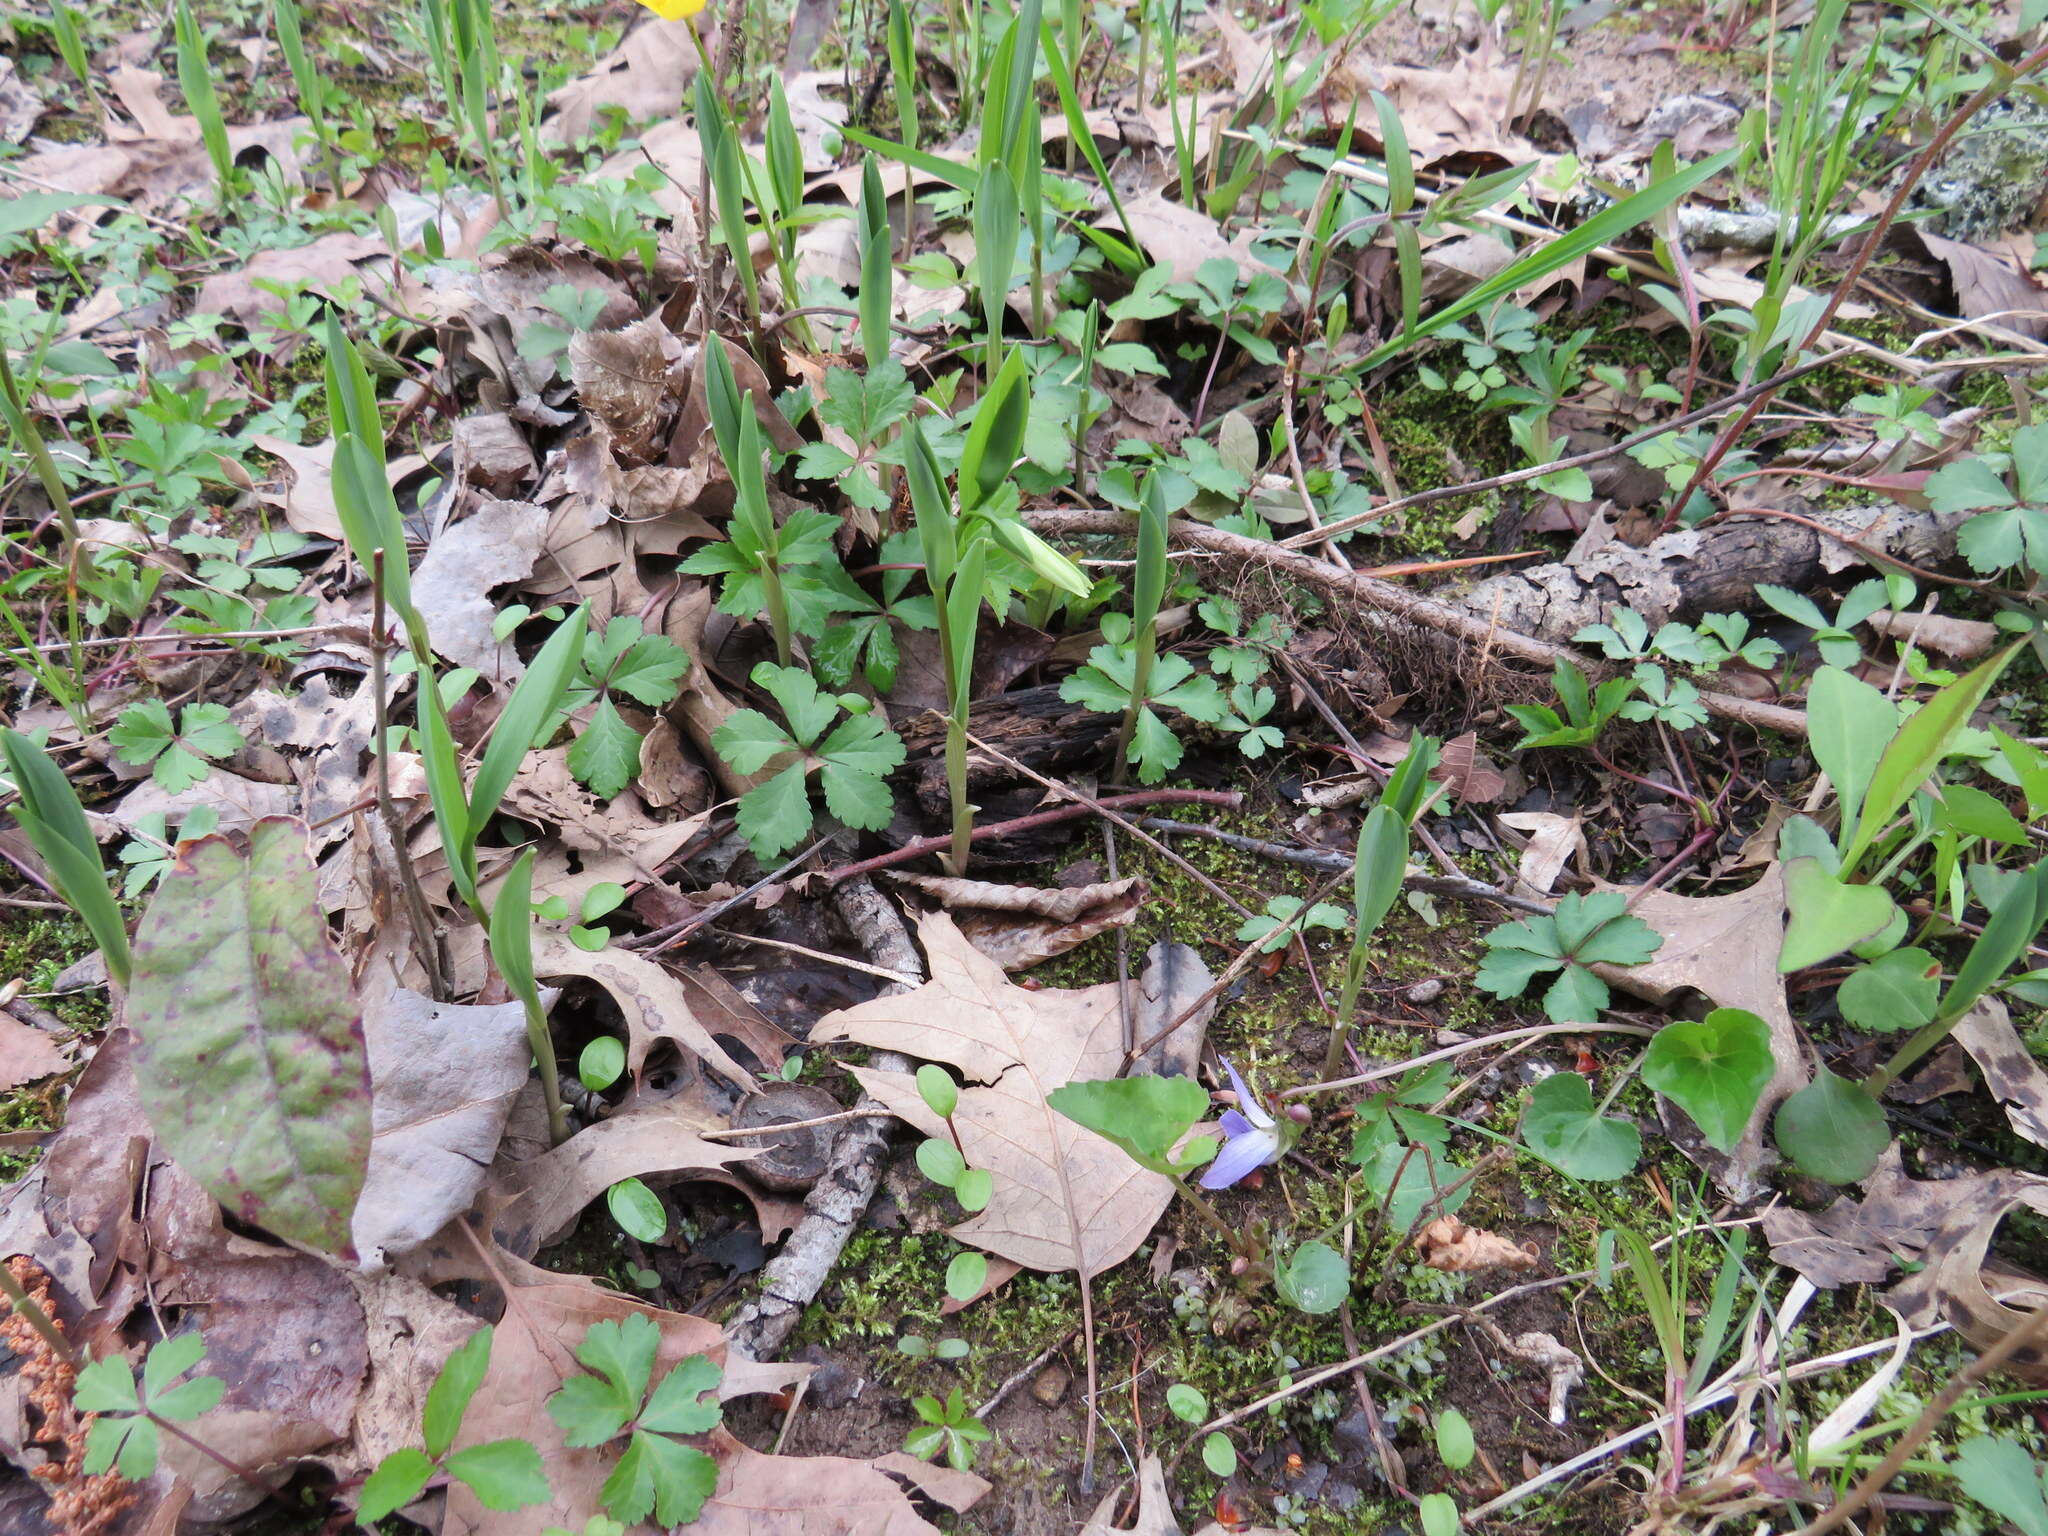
252 1068
1576 997
1186 1403
503 1474
623 1353
590 1411
1714 1070
679 1406
1918 749
1562 1127
650 670
1438 1513
28 211
1315 1279
775 816
129 1445
1454 1443
188 1401
1967 485
2004 1477
106 1386
638 1210
1893 992
974 1189
1849 724
1832 1129
603 1063
684 1477
448 1398
1970 811
796 691
1219 1455
936 1087
1827 916
534 703
606 756
398 1479
1407 1180
748 739
1145 1115
49 812
940 1161
966 1275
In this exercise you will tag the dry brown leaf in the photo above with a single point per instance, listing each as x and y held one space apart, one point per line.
1726 948
1552 840
1462 109
20 107
1182 238
1471 774
1447 1243
492 453
545 1319
1064 1197
724 1010
1861 1241
2010 1071
1990 285
319 267
536 1201
546 793
443 1078
27 1054
1174 980
1017 926
654 1002
494 547
1155 1507
647 76
631 380
761 1495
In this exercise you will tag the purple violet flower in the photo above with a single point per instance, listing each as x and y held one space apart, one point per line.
1252 1139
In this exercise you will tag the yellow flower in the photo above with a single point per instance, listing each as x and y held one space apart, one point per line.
674 10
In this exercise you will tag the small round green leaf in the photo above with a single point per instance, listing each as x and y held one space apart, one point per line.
1439 1514
637 1209
601 1064
1454 1442
1187 1403
606 896
938 1090
1561 1127
974 1189
940 1161
1316 1279
1219 1455
915 1345
966 1275
950 1349
1832 1129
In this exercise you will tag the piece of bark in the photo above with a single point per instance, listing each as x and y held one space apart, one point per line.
1034 725
792 1279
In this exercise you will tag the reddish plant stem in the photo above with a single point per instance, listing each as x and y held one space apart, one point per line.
925 845
1983 97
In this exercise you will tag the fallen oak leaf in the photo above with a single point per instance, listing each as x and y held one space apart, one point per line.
1065 1198
762 1495
654 1002
1017 926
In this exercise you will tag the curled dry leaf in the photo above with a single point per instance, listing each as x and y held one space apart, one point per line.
654 1002
1447 1243
2010 1071
761 1495
1551 841
1017 926
27 1055
536 1201
443 1078
1064 1197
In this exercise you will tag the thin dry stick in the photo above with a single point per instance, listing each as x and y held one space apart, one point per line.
1329 547
1462 1048
1101 808
1427 612
818 954
425 937
919 847
795 1125
2033 1331
1017 1378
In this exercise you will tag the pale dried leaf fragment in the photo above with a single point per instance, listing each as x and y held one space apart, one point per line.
2010 1071
761 1495
443 1077
1065 1198
27 1055
1017 926
1551 843
644 77
1992 286
654 1002
630 380
496 546
1448 1244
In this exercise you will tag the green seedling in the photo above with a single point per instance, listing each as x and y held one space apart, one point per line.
622 662
49 812
657 1474
126 1434
503 1474
177 755
947 1429
1581 932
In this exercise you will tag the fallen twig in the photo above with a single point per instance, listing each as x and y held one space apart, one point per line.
1399 602
1017 1378
918 848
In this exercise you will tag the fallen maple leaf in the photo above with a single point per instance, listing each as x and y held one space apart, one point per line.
1065 1198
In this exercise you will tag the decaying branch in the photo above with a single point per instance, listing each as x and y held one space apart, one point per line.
838 1201
1390 602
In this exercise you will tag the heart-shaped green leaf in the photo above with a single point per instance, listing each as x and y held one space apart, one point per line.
1714 1071
1827 916
1562 1127
1894 991
1832 1129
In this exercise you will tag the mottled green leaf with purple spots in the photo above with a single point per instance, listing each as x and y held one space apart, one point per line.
252 1068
